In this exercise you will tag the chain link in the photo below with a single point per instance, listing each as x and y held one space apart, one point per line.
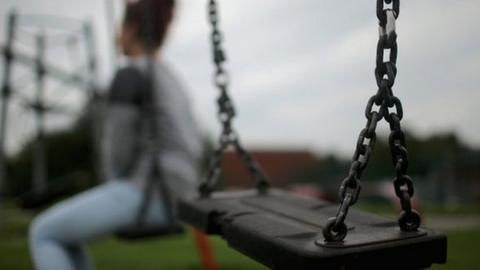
385 74
226 113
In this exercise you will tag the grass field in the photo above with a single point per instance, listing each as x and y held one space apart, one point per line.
179 253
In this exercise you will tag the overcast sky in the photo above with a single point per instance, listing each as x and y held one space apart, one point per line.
302 71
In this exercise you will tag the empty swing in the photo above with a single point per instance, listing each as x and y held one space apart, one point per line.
283 230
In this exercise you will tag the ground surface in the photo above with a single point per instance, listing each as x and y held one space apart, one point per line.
179 253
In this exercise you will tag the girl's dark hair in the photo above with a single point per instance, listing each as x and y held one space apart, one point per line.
150 18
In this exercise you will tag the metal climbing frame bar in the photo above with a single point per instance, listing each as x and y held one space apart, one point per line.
42 70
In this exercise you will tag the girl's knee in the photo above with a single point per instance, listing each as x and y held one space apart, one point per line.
39 228
35 230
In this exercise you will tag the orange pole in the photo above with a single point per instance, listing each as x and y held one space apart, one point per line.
206 251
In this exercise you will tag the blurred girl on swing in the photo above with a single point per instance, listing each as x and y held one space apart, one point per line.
58 235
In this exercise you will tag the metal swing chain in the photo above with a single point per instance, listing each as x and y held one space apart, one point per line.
226 113
385 73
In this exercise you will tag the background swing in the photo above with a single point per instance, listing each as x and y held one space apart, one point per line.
142 85
141 229
284 231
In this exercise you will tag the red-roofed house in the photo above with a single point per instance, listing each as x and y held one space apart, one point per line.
282 167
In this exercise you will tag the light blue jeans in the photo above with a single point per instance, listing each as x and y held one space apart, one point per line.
58 235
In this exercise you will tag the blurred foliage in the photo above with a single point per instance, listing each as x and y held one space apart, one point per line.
69 160
443 158
425 155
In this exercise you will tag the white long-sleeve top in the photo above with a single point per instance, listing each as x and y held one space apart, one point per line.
127 143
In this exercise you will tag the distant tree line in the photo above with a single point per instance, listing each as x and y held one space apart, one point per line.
70 161
443 159
70 165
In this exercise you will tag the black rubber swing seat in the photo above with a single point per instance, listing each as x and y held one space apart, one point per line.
135 232
284 231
